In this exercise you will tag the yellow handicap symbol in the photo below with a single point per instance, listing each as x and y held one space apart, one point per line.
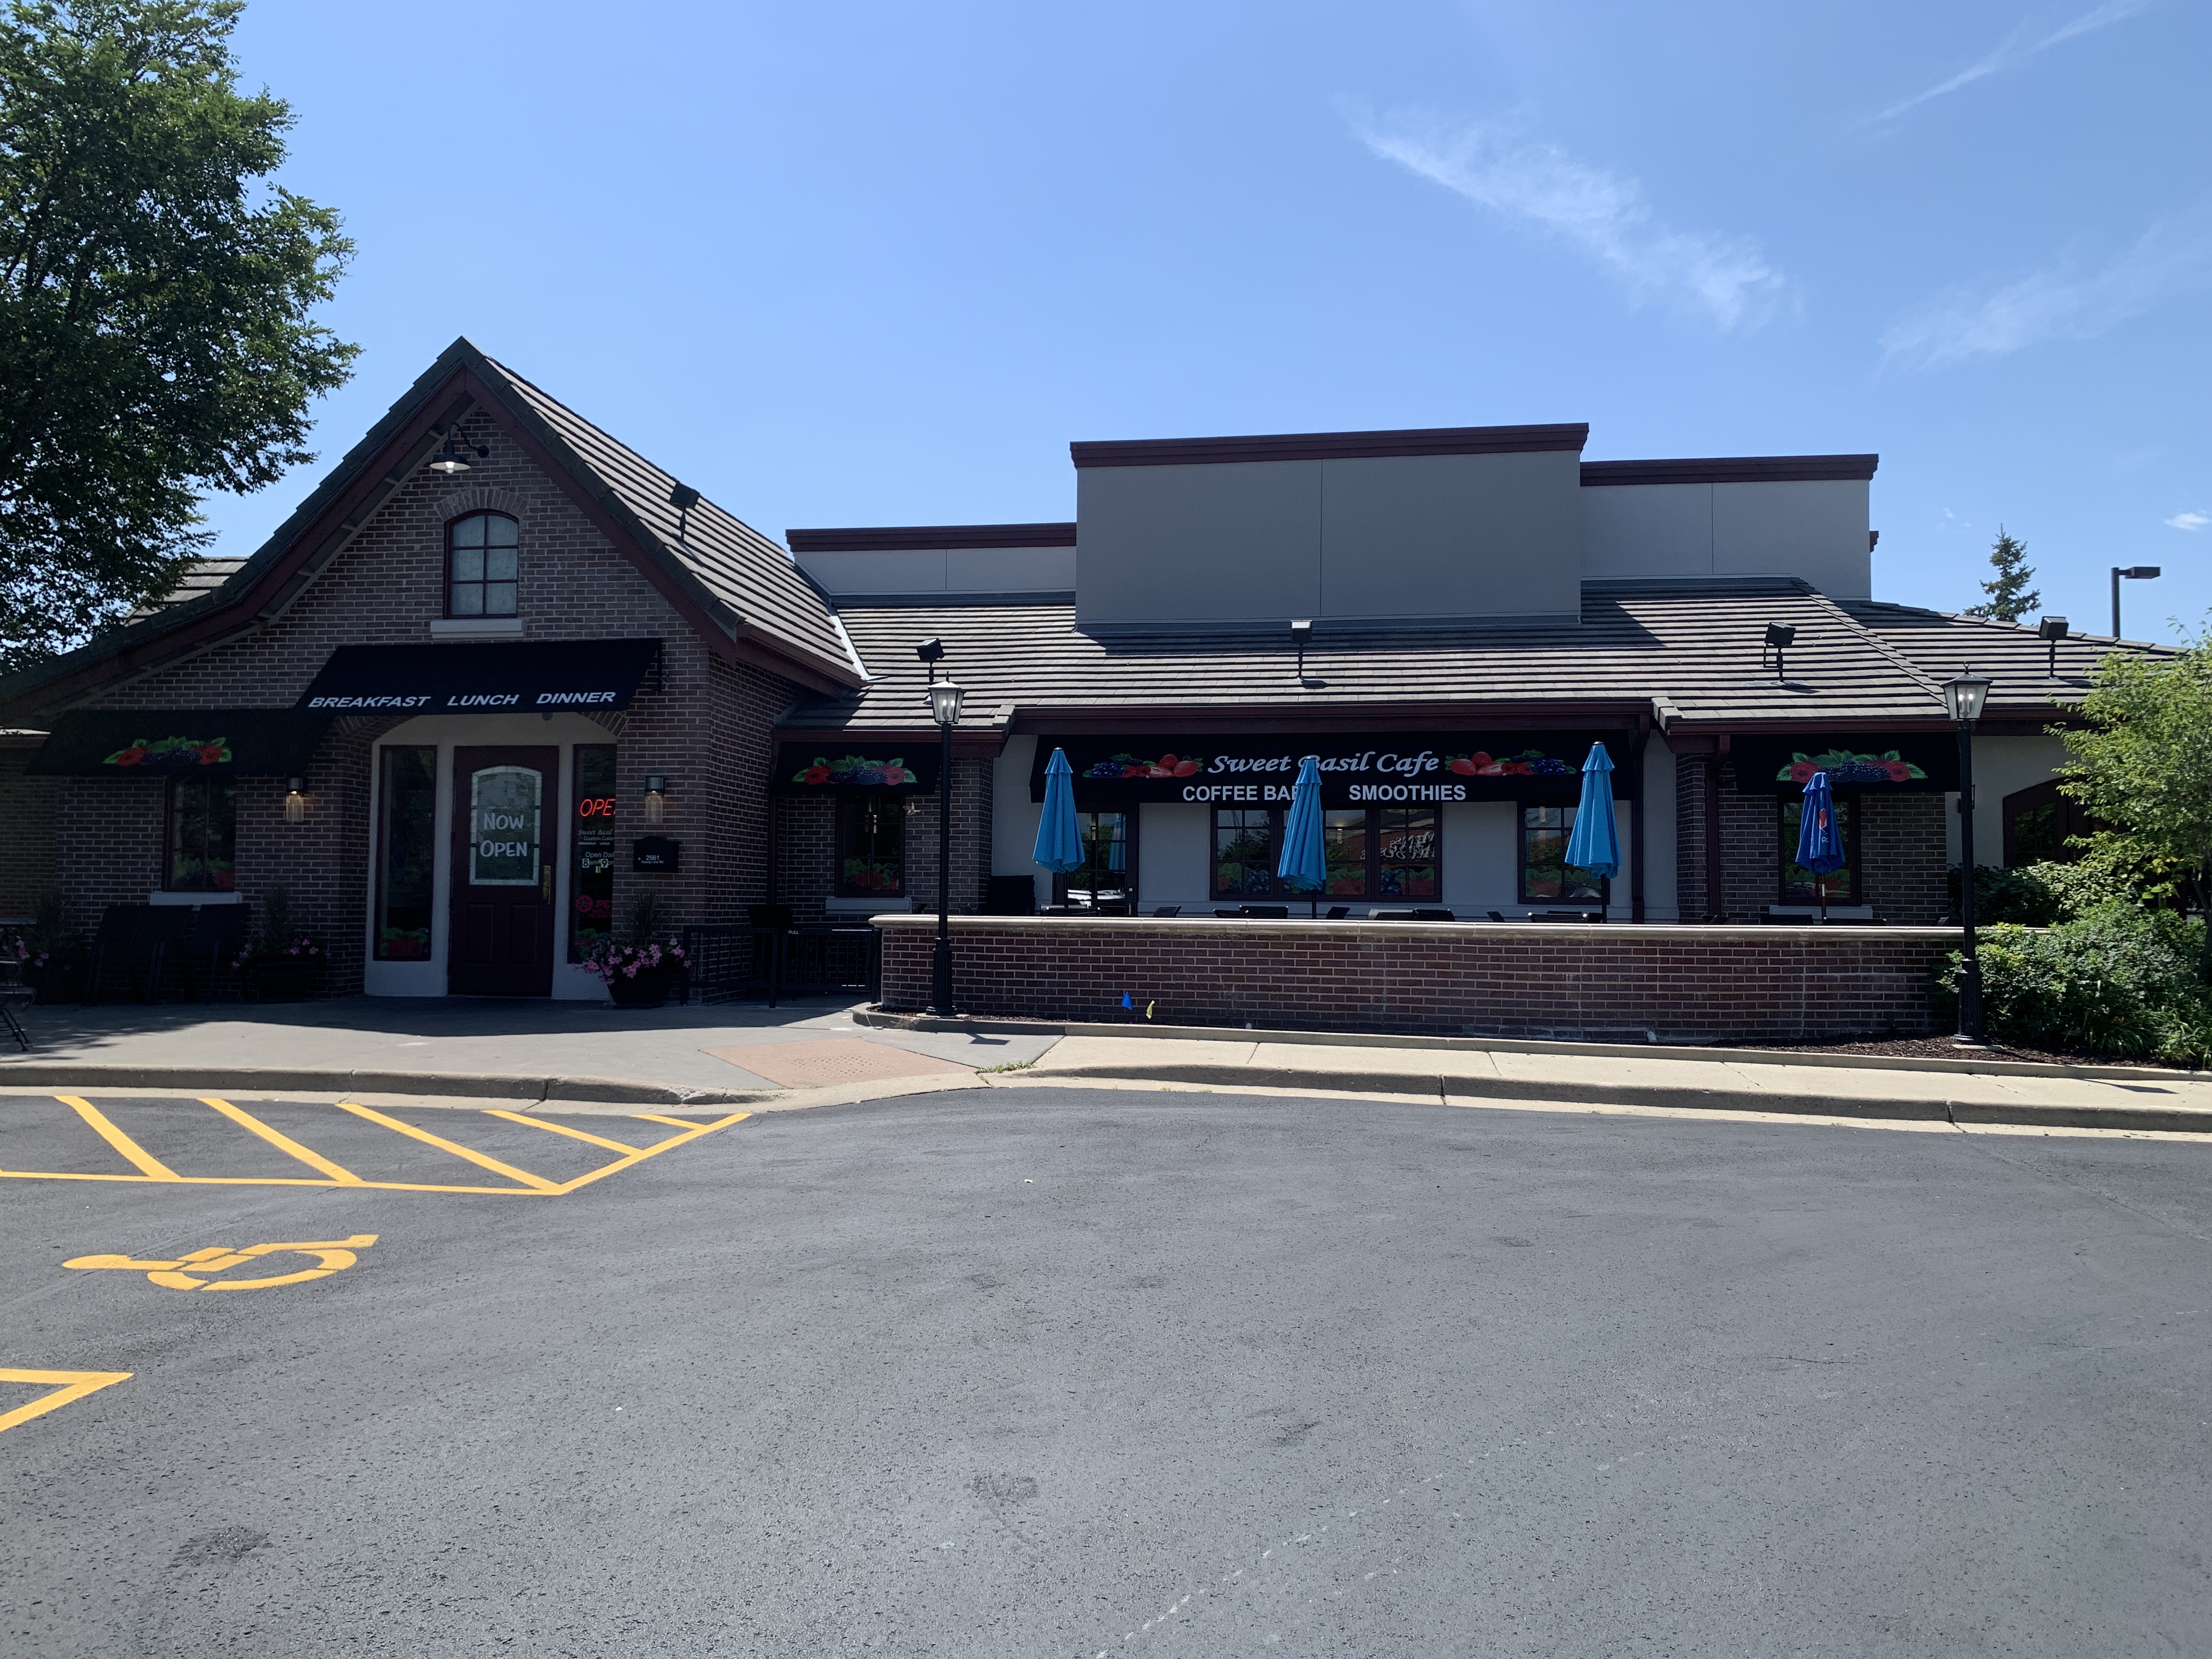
332 1256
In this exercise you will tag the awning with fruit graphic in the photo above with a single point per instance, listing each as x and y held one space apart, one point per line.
180 743
861 766
1920 763
1358 769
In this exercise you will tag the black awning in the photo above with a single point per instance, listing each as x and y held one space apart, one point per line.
1921 763
180 742
855 766
1358 769
536 676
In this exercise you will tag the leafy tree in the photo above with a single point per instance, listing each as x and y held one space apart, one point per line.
2010 597
156 292
2144 764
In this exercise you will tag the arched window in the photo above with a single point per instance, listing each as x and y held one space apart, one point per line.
481 553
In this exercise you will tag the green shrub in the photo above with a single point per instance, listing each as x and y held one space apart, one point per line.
2000 895
2117 980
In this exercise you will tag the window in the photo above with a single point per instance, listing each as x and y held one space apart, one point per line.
1546 875
1243 851
1798 883
592 872
1108 875
1373 853
481 551
406 858
202 836
870 847
2038 821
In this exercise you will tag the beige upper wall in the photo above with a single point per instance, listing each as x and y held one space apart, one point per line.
1401 538
944 570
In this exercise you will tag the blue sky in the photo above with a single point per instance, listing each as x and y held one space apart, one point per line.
867 263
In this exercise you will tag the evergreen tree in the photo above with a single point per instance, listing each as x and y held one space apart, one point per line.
2009 596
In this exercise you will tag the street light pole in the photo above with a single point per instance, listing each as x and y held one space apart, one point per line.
1963 698
944 707
2135 573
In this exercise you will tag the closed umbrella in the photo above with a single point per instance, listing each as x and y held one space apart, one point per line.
1819 837
1058 840
1304 862
1594 846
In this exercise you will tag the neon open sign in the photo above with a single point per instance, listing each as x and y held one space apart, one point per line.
596 806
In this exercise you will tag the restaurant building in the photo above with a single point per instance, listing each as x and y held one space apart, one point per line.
500 675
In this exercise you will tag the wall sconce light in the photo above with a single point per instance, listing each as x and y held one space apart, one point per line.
656 798
295 800
455 457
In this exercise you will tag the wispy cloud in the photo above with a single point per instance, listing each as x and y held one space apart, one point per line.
2022 44
2190 520
1603 214
2064 302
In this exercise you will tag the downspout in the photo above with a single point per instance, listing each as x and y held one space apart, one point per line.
1716 906
1636 819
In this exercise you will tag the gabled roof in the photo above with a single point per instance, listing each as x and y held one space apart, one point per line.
738 589
2017 660
1691 654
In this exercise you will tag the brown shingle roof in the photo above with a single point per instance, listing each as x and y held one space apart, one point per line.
1692 654
2016 661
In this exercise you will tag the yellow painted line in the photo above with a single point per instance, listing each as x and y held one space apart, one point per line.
133 1153
692 1131
274 1181
563 1129
67 1385
482 1161
283 1142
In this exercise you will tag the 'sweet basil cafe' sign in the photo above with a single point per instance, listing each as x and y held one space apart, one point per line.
1357 768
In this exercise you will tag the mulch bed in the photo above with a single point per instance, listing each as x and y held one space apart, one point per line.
1943 1048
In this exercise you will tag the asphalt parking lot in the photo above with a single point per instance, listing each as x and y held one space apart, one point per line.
1074 1372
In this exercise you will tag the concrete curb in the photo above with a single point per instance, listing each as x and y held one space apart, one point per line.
2182 1120
477 1086
1710 1053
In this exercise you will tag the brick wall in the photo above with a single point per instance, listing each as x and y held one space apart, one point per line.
806 832
1691 898
30 847
708 727
1619 982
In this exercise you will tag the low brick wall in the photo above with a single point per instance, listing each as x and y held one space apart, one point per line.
1613 982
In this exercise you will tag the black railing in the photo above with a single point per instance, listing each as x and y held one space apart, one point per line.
736 963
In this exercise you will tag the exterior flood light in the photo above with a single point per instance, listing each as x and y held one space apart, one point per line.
295 800
2051 630
656 798
1780 637
683 498
1963 696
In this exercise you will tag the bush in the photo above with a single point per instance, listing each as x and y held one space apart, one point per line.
2117 980
2001 895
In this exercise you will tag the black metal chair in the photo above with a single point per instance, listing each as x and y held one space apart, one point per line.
1338 911
204 956
13 991
112 943
1011 896
1169 910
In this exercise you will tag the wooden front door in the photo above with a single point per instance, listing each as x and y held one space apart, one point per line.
505 834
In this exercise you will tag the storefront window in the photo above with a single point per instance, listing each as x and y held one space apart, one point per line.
592 874
482 555
1108 874
1407 854
1797 882
1243 851
406 857
871 848
1343 841
1546 875
203 836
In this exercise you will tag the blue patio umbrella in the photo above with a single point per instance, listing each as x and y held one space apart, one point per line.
1304 862
1594 846
1058 840
1819 837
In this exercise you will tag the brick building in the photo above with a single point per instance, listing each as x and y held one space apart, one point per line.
499 676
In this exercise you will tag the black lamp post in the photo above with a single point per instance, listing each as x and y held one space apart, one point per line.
944 708
1963 698
2134 573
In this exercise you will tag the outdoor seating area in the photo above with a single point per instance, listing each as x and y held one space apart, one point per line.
154 953
773 958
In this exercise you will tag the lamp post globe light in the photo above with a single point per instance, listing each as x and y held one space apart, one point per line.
1963 698
944 708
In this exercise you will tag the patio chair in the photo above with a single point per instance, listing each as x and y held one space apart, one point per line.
1169 910
110 946
204 956
1435 915
1338 911
13 992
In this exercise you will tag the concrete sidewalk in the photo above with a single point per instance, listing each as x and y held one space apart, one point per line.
808 1055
